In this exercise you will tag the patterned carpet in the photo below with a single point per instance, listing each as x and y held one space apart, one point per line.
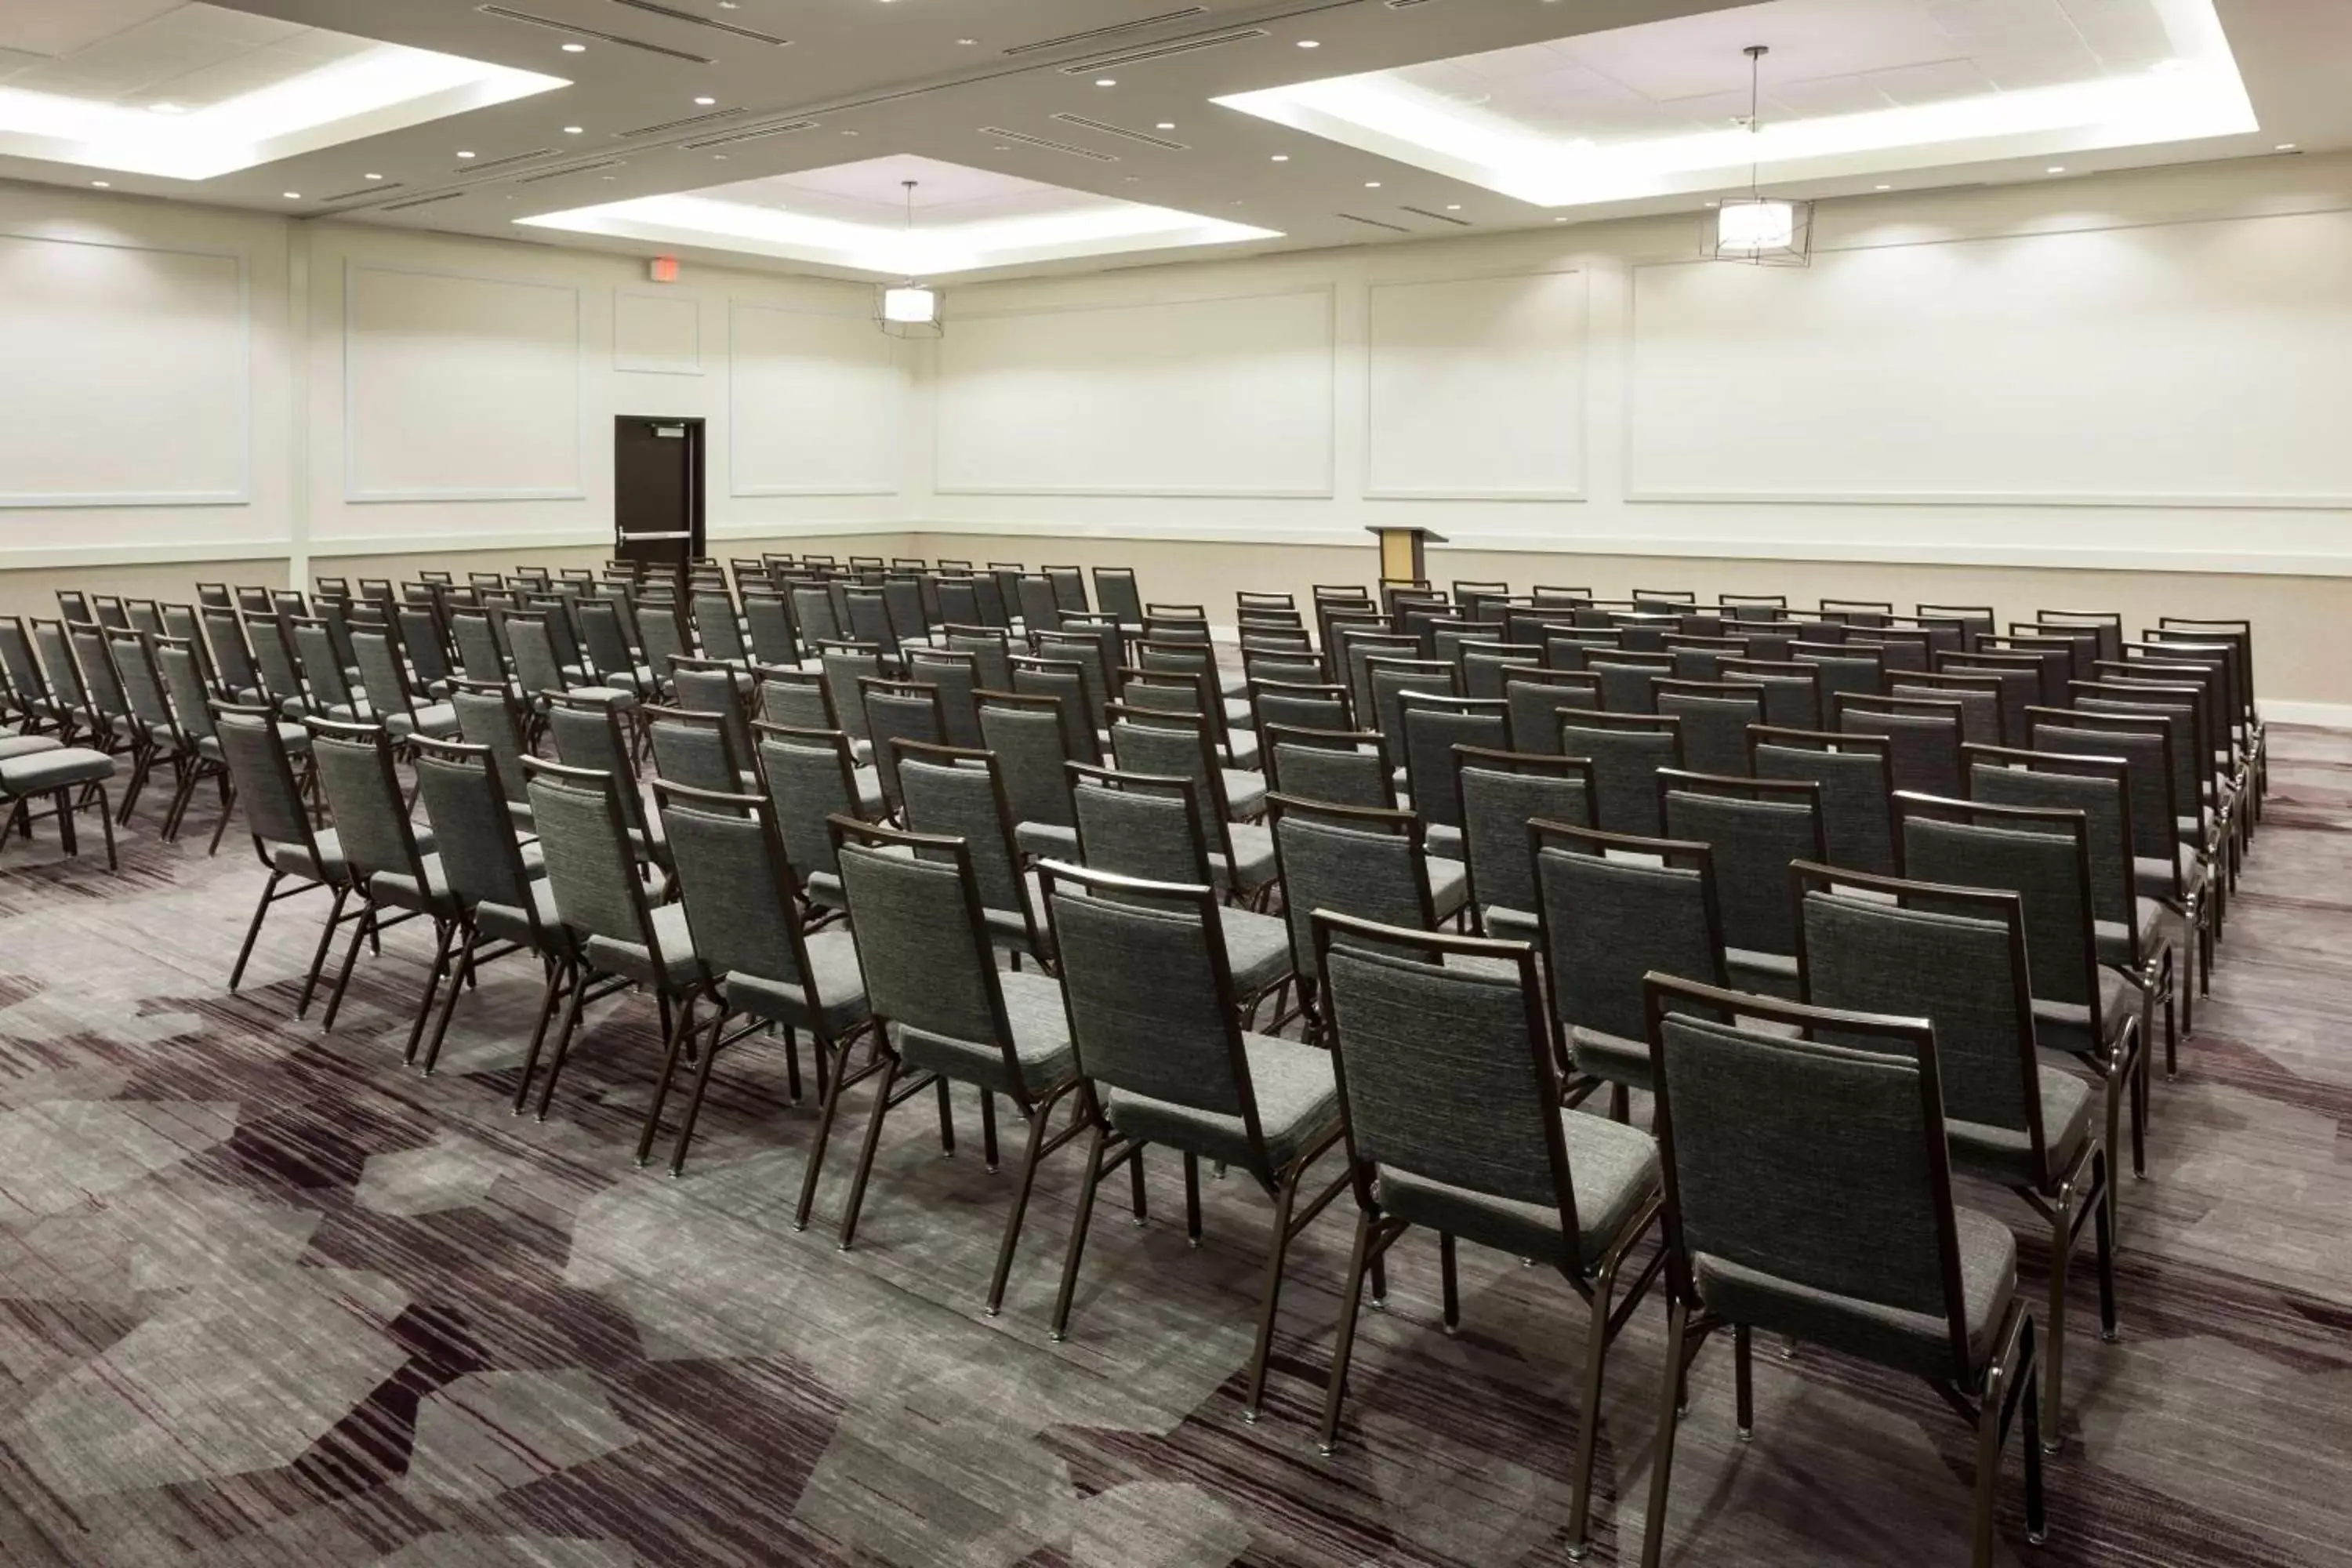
266 1298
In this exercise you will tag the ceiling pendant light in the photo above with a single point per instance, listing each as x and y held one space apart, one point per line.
1759 230
909 310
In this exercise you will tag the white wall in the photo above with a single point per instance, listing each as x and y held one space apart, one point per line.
182 384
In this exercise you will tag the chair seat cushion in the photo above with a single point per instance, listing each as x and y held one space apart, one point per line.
2115 944
1916 1342
295 861
840 989
1612 1058
1041 1041
2004 1154
1765 974
1612 1170
868 781
439 720
2154 877
402 891
1449 885
1047 840
505 922
13 746
2066 1026
1245 794
1241 746
617 697
1007 929
1297 1108
678 967
1509 925
824 889
1254 849
1257 948
57 767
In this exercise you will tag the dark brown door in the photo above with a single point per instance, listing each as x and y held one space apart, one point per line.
657 515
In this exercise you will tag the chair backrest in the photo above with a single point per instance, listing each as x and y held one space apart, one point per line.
1715 718
488 715
466 800
134 653
57 656
1349 860
1923 737
2038 853
1857 791
1626 750
1086 649
991 652
662 634
957 793
1862 1221
715 687
1069 586
776 637
1140 825
1298 705
1982 722
181 665
1339 767
1064 680
922 939
1755 827
583 819
2153 773
1030 736
1612 907
1355 646
1792 693
736 883
376 651
1040 609
1535 699
1434 727
958 597
1497 795
479 655
1955 956
355 774
715 623
1629 678
1149 994
899 711
232 660
2138 707
2097 786
694 749
587 736
263 777
811 777
1173 745
101 684
812 609
956 676
1446 1072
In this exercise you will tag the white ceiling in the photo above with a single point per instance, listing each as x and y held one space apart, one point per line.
997 103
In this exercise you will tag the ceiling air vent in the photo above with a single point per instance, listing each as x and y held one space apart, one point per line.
424 201
1105 129
572 29
753 34
376 190
1092 33
1376 222
507 162
1047 145
711 119
733 137
575 169
1161 52
1442 217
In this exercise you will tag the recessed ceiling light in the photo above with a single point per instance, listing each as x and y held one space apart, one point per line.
1564 220
1105 81
1282 157
2056 169
1886 187
1165 125
371 176
464 154
1308 44
728 6
575 131
853 132
575 49
1453 206
103 184
1372 184
291 196
967 42
706 102
165 108
2284 147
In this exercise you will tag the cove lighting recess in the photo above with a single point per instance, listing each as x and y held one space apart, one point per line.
1538 156
1036 222
381 88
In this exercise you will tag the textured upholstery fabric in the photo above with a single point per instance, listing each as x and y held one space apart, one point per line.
1347 870
1534 715
1143 1000
1431 734
1257 948
808 781
1842 674
1980 710
2103 805
1032 760
959 801
1615 1171
36 772
1497 806
592 869
2066 1027
737 904
1753 841
926 966
1041 1042
1857 819
896 713
1449 885
843 669
1627 686
1338 777
2043 868
1137 833
1790 701
1625 763
1612 1058
695 754
1297 1107
473 828
1713 728
1923 748
957 675
1834 1239
370 819
2004 1154
678 967
1612 922
840 989
15 746
1253 861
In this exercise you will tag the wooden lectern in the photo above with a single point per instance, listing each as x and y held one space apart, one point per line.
1403 558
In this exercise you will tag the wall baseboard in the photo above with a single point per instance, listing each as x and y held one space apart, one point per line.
2324 715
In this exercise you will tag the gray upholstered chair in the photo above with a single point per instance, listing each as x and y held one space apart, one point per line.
1714 716
1626 750
1162 1058
1860 1248
1537 700
1357 861
1982 724
899 711
1187 694
1030 739
739 893
812 777
1794 698
1344 767
697 750
1450 1099
1611 908
1857 798
1755 828
1433 726
1923 737
1497 795
599 898
951 791
1629 678
2089 1010
588 733
943 1013
1066 682
1149 829
776 637
1176 746
261 773
1956 956
1296 704
384 674
956 676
